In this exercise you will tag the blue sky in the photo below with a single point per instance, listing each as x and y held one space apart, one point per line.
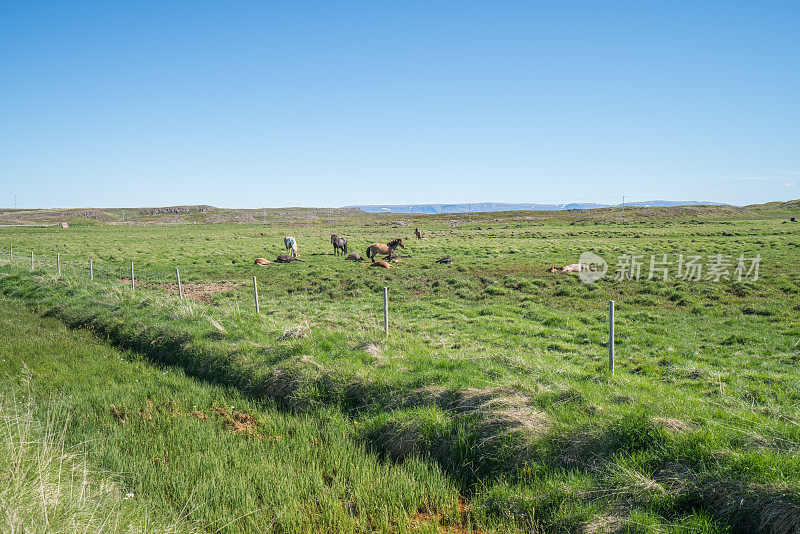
250 104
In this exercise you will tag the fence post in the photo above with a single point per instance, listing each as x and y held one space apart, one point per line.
611 336
133 280
386 310
31 260
91 270
180 288
255 294
58 262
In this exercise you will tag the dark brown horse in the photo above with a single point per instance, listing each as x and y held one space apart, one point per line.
285 258
339 244
418 233
377 248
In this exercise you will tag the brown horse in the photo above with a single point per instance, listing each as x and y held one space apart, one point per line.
384 264
284 258
418 233
377 248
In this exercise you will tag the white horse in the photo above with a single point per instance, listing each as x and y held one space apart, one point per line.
291 246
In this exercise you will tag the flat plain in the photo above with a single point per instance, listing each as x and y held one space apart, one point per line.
489 406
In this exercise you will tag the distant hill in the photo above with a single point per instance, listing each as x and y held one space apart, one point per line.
488 211
499 206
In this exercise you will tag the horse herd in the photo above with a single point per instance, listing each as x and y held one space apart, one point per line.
340 248
386 250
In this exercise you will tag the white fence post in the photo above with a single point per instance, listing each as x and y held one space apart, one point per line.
58 263
255 294
180 288
133 280
611 336
31 260
91 270
386 310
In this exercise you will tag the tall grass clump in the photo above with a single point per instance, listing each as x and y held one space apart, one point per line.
48 486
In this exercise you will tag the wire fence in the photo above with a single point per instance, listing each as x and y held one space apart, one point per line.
128 273
462 329
472 331
238 296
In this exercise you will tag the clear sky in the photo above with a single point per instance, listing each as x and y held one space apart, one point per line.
295 103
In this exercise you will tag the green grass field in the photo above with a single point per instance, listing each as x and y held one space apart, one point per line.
489 405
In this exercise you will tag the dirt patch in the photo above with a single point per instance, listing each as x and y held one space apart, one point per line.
424 519
238 421
201 291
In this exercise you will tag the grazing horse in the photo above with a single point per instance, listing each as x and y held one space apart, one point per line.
339 244
291 245
377 248
418 233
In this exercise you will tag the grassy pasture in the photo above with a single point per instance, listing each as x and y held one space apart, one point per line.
495 370
202 456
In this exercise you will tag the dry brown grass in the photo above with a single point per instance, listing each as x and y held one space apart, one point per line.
300 331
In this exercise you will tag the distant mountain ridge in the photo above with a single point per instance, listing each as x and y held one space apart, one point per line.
499 206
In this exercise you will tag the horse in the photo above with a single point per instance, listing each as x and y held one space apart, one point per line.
263 262
339 244
284 258
393 256
291 245
447 260
418 233
571 268
354 256
377 248
384 264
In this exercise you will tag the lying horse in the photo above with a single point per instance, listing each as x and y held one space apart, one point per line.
571 268
376 248
263 262
284 258
393 256
339 243
384 264
291 246
447 260
354 256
